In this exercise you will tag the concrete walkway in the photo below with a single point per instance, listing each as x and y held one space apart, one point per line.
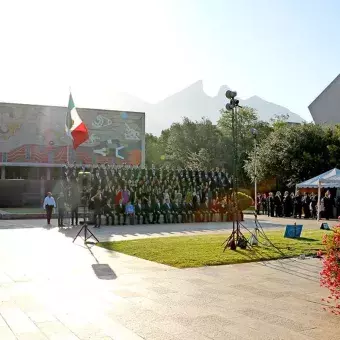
51 288
106 233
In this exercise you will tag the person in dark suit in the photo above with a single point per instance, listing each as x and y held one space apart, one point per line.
270 205
109 212
264 204
97 203
182 212
328 205
205 211
75 202
156 211
61 204
139 211
278 204
314 203
297 203
175 211
306 205
287 205
146 209
188 207
196 208
223 209
337 205
120 212
166 211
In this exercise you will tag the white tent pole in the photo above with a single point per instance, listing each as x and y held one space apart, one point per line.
319 199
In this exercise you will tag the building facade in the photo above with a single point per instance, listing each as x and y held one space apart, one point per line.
325 109
34 145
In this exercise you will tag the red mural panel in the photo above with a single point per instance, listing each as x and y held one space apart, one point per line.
35 134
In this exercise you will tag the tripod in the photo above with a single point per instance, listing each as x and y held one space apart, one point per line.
87 232
236 238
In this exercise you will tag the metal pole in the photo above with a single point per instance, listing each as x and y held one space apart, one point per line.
319 199
236 172
255 173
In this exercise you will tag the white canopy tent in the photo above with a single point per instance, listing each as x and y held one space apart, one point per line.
329 179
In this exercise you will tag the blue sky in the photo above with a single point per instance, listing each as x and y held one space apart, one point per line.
283 51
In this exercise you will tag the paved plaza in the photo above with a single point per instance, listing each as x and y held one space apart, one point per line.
51 288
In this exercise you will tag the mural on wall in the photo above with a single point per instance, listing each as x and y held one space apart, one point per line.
36 134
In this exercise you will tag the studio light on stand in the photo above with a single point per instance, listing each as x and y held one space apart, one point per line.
236 239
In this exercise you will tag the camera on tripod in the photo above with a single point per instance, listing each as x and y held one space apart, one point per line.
84 180
85 191
84 188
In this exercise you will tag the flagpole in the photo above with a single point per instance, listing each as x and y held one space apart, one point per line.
68 153
68 145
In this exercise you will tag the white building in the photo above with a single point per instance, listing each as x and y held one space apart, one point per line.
325 109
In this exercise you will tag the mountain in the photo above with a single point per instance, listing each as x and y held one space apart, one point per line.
267 110
194 103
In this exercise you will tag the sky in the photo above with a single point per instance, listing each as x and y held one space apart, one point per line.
284 51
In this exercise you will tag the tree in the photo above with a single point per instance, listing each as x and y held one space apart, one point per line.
201 159
154 149
247 119
279 120
195 143
295 153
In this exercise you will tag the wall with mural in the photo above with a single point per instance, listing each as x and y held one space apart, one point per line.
35 134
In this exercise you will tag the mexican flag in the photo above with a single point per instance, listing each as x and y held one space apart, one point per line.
74 126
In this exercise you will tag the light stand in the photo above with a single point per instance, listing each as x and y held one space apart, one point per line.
254 133
236 238
85 201
87 232
254 238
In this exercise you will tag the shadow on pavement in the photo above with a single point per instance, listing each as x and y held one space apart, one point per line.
106 233
104 272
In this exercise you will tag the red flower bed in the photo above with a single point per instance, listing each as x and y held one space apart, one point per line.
330 274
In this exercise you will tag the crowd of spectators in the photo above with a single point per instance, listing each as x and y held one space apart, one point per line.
297 205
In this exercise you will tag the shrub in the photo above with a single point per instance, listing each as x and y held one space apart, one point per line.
244 201
330 274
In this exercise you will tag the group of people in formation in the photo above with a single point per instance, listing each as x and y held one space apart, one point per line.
296 205
133 194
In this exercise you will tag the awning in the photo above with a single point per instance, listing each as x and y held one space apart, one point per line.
329 179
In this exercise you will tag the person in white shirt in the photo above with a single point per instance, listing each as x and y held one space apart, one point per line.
49 204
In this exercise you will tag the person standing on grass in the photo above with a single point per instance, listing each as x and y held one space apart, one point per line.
49 204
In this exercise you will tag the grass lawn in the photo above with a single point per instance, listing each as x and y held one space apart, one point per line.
207 250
